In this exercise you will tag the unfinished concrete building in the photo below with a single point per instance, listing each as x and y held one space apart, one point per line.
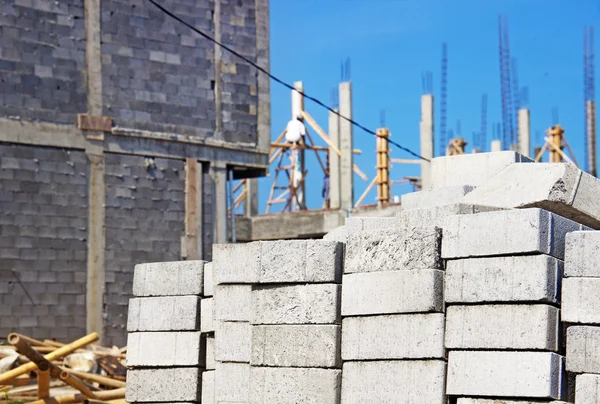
118 130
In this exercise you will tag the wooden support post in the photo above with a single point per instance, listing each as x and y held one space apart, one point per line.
383 167
191 246
556 142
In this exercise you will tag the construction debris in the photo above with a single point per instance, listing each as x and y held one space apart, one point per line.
41 372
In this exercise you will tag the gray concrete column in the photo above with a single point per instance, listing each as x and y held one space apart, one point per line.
524 132
218 68
219 177
334 162
251 203
262 80
346 144
191 243
426 138
496 146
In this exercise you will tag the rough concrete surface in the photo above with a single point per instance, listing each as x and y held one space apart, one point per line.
236 263
324 261
357 224
178 278
208 279
471 169
583 349
503 326
172 313
339 234
208 387
394 382
434 197
435 216
393 292
388 250
233 341
164 349
316 346
581 300
233 302
587 389
407 336
163 385
582 254
505 374
207 315
522 231
521 278
560 188
296 304
232 382
294 385
210 352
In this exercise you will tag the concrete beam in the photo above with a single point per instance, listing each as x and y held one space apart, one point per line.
426 128
346 142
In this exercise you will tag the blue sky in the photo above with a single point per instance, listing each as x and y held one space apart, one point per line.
391 42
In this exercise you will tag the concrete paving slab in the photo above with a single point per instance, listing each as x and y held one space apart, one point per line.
582 254
208 387
294 385
233 302
233 341
435 197
296 304
556 187
166 349
471 169
236 263
580 301
232 382
316 346
521 231
404 336
163 385
178 278
583 349
587 389
394 382
172 313
521 278
392 292
503 326
209 282
505 374
388 250
435 216
207 315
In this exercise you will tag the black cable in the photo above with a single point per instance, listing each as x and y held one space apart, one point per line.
315 100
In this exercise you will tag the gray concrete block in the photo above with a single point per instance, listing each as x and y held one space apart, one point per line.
208 387
232 382
294 385
178 278
207 315
583 349
557 187
324 261
358 224
471 169
464 400
434 197
338 234
210 353
392 292
503 326
521 278
405 336
394 382
174 313
388 250
233 341
163 385
236 263
522 231
580 302
166 349
233 302
505 374
316 346
582 254
436 216
208 279
296 304
587 389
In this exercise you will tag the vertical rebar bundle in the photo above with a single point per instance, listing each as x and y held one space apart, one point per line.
443 94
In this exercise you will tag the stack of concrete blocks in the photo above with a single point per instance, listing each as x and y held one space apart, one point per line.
277 311
581 312
392 309
165 349
503 276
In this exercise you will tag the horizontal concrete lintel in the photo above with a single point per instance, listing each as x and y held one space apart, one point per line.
41 134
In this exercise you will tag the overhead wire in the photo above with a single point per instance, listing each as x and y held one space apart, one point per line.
278 80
